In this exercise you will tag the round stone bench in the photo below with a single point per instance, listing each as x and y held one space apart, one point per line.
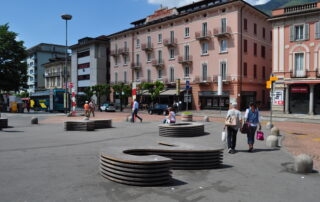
181 130
3 123
79 125
149 166
100 124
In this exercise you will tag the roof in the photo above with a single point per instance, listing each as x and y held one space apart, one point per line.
56 60
34 48
89 40
297 3
184 10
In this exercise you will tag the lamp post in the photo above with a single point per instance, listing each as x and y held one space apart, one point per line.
66 17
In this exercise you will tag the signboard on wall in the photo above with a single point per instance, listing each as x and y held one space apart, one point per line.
300 89
278 98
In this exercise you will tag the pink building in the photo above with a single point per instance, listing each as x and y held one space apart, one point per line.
296 58
197 43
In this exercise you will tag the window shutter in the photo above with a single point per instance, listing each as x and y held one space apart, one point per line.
292 33
317 30
306 32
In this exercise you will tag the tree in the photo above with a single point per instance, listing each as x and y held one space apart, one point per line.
123 90
88 93
101 90
13 68
153 88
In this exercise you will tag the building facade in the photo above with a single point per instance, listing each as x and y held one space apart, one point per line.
55 73
296 58
90 63
37 56
197 44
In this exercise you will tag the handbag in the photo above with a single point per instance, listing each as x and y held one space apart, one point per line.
260 136
223 136
244 129
231 121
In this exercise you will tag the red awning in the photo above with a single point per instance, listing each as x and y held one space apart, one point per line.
302 82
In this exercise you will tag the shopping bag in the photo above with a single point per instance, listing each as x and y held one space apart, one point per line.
244 129
260 136
223 136
231 121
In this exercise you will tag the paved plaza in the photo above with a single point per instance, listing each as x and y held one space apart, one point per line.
45 163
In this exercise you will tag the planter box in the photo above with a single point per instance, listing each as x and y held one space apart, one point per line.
186 117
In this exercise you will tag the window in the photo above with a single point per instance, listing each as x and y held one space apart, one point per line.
172 36
159 38
137 59
149 41
125 60
125 45
245 69
125 77
137 75
186 52
270 35
83 54
186 32
264 73
299 32
159 56
263 51
171 74
171 50
255 71
204 29
148 57
58 81
149 75
223 25
223 70
31 71
116 77
186 71
255 49
264 33
299 62
255 28
245 24
204 48
317 30
223 46
159 73
116 61
204 72
138 43
245 46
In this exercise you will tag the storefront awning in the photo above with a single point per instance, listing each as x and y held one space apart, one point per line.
302 82
171 92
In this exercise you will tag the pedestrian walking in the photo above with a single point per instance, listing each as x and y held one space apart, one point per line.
92 108
233 122
252 118
86 109
135 109
28 106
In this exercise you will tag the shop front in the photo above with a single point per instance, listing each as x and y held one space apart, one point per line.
317 99
211 100
299 99
247 97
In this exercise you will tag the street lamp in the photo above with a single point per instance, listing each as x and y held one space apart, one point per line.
66 17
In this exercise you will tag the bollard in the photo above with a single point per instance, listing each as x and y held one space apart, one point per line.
303 164
272 141
206 119
275 131
269 125
34 120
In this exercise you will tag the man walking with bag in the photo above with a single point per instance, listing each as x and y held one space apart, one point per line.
135 109
233 122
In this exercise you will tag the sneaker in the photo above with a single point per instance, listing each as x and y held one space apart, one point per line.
233 151
140 120
229 150
250 150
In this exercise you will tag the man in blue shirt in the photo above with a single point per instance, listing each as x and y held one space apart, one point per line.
135 109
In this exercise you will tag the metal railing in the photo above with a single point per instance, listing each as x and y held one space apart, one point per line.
158 63
170 42
222 31
147 47
300 8
203 35
187 59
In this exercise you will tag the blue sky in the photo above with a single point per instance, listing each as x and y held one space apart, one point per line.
39 21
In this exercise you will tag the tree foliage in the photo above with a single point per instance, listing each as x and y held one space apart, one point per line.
119 88
101 90
13 69
154 88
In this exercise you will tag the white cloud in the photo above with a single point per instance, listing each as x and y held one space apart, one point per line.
175 3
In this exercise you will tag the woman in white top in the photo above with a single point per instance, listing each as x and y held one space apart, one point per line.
171 118
234 113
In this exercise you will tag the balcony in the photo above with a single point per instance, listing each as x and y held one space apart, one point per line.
222 32
202 80
299 8
53 74
185 60
158 63
147 47
136 65
124 51
225 78
170 43
114 53
203 36
298 74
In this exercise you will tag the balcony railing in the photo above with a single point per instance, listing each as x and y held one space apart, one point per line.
124 51
300 8
203 36
55 74
114 52
225 78
170 42
158 63
147 47
136 65
185 59
298 74
222 32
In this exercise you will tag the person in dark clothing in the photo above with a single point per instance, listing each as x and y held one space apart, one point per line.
252 118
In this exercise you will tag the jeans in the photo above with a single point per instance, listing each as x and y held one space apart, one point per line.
135 114
251 134
232 137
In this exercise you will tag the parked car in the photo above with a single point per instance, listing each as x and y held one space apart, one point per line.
106 107
159 109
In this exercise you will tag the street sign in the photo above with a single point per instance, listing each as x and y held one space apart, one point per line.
274 78
187 84
268 84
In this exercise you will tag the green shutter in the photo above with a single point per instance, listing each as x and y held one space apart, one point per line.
306 32
317 30
292 33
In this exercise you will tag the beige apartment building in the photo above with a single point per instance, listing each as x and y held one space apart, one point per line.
55 74
197 44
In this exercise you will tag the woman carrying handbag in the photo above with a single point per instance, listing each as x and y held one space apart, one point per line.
232 123
252 118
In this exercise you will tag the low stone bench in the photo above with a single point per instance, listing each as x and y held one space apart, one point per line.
3 123
150 166
181 130
100 124
79 125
